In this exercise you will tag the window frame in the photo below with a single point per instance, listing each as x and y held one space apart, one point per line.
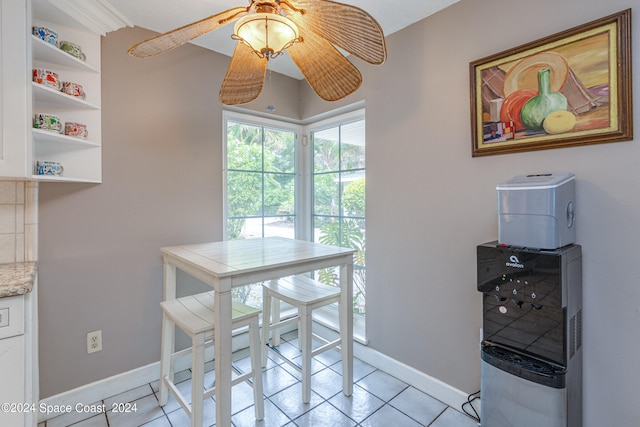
326 316
344 119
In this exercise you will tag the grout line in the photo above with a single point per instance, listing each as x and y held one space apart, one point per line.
386 402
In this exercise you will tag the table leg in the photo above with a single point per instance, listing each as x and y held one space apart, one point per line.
222 335
168 330
346 322
169 279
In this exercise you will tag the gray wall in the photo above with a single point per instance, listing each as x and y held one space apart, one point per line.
429 203
100 264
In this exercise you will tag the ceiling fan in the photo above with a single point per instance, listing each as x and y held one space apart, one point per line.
309 30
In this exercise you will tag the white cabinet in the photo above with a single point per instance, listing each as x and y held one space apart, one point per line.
15 146
19 389
80 157
12 375
12 360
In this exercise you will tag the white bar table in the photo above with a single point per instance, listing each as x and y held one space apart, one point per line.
227 264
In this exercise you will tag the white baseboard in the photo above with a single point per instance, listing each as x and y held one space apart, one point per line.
445 393
111 386
99 390
105 388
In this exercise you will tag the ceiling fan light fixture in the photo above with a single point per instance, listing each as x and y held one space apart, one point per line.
267 34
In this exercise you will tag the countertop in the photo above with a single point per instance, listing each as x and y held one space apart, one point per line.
17 278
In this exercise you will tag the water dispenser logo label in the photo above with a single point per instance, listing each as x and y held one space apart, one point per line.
514 262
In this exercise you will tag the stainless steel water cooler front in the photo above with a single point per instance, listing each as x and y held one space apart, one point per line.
531 364
511 401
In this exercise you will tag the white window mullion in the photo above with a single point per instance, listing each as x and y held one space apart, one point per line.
305 197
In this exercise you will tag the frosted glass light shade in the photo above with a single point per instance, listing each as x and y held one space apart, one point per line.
266 33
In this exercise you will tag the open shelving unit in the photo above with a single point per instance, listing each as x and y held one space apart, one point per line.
81 158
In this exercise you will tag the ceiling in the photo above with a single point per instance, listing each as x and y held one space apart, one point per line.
164 15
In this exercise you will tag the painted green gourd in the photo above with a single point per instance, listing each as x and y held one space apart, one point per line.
546 102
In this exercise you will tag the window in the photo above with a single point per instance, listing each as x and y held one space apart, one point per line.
260 186
260 181
275 186
339 197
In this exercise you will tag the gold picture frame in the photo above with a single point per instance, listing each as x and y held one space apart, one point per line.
571 88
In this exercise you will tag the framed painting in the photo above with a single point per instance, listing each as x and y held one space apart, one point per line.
571 88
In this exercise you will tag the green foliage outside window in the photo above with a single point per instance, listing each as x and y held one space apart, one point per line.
339 200
347 233
260 177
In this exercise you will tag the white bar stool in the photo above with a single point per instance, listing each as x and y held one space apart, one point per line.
306 295
194 315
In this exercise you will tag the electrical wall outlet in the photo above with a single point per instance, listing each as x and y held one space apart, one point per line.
94 341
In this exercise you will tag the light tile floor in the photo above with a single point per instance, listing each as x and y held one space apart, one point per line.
378 400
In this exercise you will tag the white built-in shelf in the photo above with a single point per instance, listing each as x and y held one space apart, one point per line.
53 178
49 95
81 158
44 136
47 52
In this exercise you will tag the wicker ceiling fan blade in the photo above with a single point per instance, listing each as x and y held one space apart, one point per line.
245 77
346 26
329 73
175 38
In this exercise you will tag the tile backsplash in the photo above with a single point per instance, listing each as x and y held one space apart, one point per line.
18 221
